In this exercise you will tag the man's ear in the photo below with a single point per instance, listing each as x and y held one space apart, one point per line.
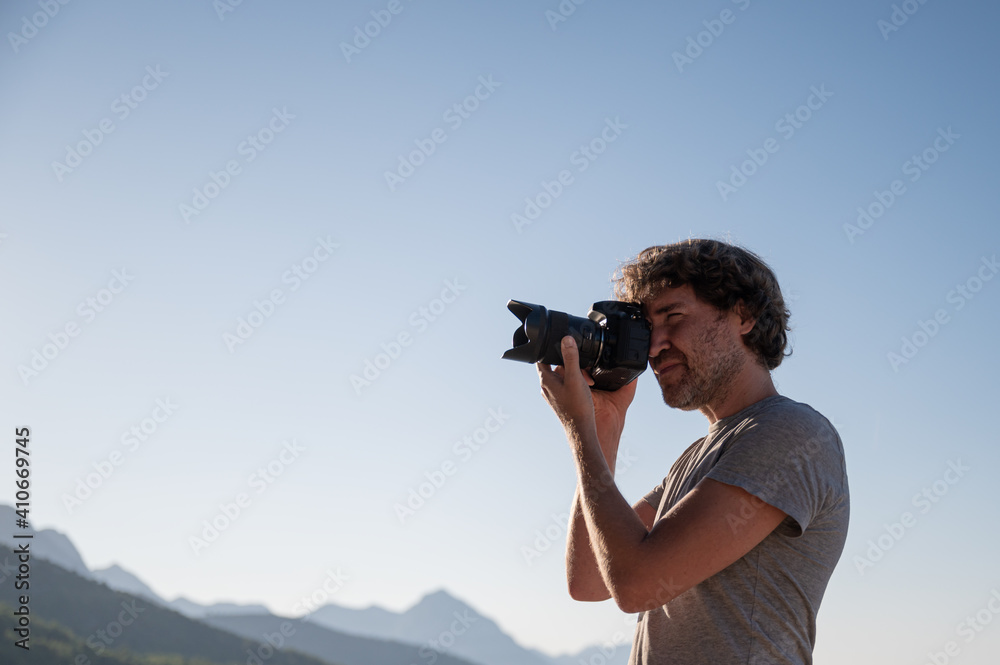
746 321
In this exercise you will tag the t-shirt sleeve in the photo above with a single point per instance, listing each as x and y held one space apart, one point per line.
790 458
655 495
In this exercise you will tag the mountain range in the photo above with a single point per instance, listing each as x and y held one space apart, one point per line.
438 630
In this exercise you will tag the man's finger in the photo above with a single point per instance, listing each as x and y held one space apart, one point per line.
571 357
570 354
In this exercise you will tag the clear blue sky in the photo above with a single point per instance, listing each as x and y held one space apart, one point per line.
200 91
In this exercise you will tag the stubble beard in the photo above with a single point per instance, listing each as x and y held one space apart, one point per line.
709 379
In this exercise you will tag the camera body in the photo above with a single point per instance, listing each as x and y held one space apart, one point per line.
613 340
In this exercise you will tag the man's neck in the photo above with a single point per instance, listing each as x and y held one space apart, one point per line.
749 387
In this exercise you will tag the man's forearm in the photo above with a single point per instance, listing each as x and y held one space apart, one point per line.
613 528
583 575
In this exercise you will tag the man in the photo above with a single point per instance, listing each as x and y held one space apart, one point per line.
727 559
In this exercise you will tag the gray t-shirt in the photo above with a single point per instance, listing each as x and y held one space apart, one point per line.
762 608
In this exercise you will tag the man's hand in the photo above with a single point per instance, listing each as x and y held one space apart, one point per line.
566 389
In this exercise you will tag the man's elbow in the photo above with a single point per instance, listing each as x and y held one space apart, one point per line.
588 593
640 595
630 604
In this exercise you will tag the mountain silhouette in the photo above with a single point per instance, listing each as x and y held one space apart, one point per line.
453 626
321 642
120 579
439 627
46 544
103 620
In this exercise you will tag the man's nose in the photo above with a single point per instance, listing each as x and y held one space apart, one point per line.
658 341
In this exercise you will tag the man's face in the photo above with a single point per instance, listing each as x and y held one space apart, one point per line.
695 350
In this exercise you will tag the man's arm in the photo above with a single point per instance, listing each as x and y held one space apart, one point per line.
583 576
643 568
582 572
700 536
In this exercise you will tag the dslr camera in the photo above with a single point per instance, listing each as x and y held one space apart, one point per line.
613 340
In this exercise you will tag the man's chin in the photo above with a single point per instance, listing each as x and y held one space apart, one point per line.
687 405
677 399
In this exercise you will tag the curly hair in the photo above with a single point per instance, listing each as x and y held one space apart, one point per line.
724 276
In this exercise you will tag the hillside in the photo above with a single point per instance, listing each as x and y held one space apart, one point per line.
103 620
318 641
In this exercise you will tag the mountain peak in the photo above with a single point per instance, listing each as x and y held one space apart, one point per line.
439 601
119 579
438 594
48 544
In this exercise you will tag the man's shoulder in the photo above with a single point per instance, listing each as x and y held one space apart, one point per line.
781 426
790 446
784 412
